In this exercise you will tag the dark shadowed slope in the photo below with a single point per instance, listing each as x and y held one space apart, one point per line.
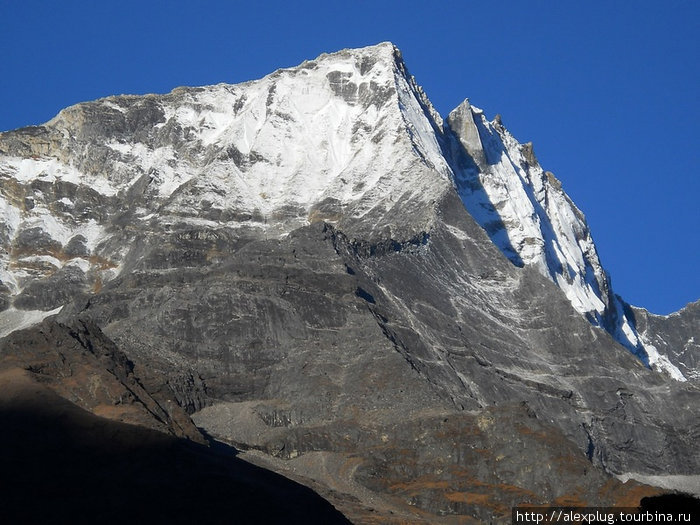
61 464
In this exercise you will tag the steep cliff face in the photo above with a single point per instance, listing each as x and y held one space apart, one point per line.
394 308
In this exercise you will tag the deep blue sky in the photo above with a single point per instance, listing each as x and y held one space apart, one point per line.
606 90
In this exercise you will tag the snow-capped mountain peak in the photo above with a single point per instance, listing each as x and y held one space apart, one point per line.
341 138
349 138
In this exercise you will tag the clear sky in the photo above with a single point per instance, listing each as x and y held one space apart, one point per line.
608 91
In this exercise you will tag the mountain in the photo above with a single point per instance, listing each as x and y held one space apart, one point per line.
406 313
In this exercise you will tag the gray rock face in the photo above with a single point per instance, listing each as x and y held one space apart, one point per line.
293 258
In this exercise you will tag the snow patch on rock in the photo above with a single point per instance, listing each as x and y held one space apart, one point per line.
12 319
